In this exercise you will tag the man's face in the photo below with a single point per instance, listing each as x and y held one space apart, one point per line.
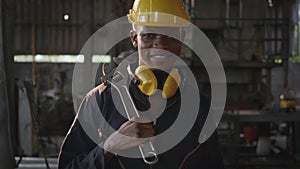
157 46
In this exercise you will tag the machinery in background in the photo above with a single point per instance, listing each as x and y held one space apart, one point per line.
43 123
288 100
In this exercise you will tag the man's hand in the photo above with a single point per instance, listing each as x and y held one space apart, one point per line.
131 134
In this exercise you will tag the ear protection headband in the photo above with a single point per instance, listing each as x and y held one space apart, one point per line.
148 82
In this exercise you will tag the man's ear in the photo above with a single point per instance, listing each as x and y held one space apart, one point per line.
133 37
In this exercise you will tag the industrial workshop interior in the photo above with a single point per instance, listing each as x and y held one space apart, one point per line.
49 62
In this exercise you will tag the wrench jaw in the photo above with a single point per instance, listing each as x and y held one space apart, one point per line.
148 153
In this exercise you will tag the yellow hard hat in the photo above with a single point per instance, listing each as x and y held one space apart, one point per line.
169 13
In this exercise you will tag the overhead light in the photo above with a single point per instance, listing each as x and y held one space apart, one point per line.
101 59
49 58
66 17
60 58
270 3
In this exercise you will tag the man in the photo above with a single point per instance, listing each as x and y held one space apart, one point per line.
157 31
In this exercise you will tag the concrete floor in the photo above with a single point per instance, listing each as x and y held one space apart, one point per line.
245 162
266 162
36 163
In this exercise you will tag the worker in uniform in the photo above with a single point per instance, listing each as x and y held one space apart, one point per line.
156 33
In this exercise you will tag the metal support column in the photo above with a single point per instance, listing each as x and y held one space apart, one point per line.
85 70
6 155
286 35
269 98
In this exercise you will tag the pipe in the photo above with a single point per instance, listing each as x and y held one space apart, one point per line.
227 12
187 5
193 6
240 13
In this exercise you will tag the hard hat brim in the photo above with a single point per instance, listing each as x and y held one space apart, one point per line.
157 19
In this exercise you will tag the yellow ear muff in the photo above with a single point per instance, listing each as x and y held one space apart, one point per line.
171 84
147 79
148 82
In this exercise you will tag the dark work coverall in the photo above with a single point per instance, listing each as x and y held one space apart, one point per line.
82 151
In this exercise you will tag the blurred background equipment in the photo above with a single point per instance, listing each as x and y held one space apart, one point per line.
288 100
